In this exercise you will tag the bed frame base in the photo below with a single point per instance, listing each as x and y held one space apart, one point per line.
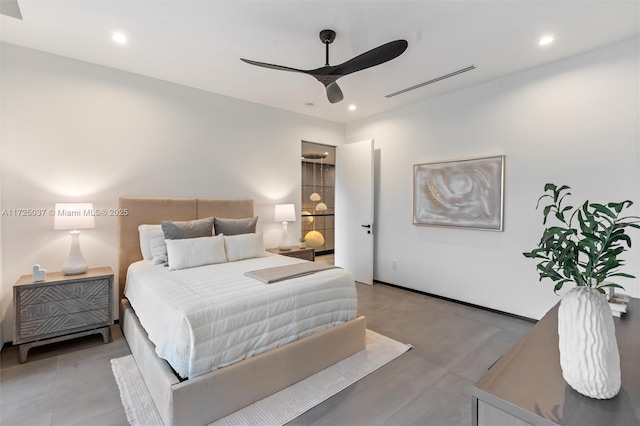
211 396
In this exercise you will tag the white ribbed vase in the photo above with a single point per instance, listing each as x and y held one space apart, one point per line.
589 355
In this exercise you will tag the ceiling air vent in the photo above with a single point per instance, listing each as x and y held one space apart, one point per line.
442 77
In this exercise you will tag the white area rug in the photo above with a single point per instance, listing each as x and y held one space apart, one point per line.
278 408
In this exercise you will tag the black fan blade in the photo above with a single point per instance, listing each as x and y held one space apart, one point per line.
334 94
373 57
274 67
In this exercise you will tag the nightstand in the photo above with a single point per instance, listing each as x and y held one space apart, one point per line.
307 253
62 307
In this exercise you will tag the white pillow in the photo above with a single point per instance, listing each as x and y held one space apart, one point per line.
244 246
147 233
192 252
158 248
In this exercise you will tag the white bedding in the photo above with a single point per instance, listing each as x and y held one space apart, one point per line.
207 317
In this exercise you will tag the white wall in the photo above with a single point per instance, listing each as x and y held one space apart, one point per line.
571 122
74 131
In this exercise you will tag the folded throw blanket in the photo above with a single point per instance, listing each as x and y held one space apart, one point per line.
281 273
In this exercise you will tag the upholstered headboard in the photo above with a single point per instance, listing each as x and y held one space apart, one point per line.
154 210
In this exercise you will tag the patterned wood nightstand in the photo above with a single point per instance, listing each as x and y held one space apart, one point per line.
301 253
62 307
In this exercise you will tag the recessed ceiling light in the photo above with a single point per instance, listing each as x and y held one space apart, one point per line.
352 107
119 38
545 40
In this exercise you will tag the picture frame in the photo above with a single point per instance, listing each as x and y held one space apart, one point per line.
460 193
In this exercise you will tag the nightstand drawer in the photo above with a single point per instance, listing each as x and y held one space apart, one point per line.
300 253
43 294
63 307
57 325
306 255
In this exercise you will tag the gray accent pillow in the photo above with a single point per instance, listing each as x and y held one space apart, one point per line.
191 229
235 226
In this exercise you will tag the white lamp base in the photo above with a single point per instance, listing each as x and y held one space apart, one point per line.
75 264
284 243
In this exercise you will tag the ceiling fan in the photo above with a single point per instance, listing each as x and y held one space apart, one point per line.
328 74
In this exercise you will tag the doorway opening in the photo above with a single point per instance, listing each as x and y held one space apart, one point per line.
318 197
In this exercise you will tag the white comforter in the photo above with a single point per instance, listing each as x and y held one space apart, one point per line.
204 318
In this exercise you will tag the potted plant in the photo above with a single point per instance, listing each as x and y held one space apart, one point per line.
584 248
302 243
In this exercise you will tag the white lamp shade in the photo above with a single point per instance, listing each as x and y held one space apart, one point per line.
74 216
285 213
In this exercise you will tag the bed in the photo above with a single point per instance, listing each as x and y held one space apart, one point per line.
201 395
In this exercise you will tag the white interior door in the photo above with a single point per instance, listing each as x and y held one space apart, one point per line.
354 210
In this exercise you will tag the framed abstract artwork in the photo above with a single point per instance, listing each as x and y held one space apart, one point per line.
459 193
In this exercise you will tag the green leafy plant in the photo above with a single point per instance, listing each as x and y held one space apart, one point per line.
588 253
302 240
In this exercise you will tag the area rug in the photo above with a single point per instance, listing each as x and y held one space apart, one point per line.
277 409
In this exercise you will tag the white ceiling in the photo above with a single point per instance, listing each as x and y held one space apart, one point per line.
200 43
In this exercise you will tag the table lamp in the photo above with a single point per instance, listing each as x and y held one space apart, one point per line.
285 213
74 216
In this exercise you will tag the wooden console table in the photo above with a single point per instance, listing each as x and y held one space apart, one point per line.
525 387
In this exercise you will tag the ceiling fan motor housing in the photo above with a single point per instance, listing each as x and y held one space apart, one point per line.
327 36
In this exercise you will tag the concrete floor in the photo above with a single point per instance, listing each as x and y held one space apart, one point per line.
71 383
